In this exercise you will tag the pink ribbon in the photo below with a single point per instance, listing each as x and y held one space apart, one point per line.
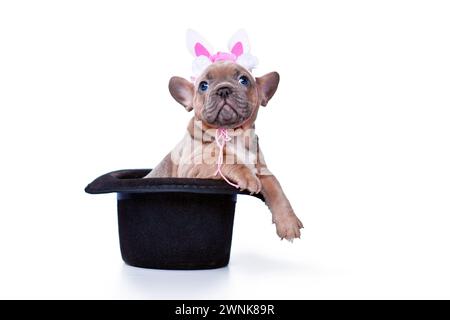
222 56
222 138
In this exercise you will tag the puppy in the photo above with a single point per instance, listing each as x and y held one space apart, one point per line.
225 99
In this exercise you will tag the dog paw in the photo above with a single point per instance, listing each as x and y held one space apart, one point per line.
249 182
288 226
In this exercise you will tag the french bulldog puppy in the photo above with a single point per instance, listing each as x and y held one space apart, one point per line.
227 97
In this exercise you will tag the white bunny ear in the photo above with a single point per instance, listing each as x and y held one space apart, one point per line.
197 45
239 43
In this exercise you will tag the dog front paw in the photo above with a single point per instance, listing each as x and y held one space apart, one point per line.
288 226
250 182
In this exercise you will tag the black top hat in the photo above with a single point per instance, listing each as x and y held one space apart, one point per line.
171 223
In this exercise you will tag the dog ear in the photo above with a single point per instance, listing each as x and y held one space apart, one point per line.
267 86
182 91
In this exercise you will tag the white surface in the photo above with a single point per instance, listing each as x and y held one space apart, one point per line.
358 134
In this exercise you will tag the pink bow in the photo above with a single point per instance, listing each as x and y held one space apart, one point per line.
223 56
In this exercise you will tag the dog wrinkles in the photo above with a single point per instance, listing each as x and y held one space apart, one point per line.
227 111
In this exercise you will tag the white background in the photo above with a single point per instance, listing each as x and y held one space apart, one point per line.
358 134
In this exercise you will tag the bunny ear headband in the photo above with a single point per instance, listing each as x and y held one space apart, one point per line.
238 46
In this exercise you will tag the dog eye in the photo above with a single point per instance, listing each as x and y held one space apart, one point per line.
244 81
203 86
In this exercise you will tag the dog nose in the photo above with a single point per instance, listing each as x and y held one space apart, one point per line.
223 92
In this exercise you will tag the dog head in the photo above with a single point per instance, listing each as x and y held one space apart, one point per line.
225 95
